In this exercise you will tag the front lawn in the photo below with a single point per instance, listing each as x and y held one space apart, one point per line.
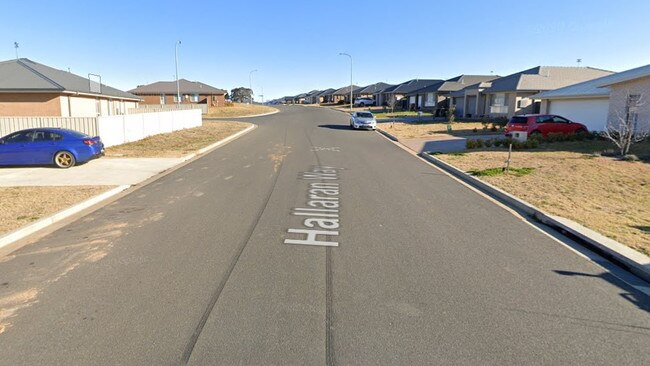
437 129
571 180
239 110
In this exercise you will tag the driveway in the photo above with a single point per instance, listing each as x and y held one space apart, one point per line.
104 171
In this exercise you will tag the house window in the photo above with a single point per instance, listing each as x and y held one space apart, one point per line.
430 100
162 98
499 99
175 98
195 98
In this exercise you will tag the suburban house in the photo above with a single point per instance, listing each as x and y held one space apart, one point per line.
312 97
28 88
470 101
370 90
511 95
300 98
342 95
326 96
396 94
192 92
435 96
599 101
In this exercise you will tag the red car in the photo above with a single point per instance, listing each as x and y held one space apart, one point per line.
543 124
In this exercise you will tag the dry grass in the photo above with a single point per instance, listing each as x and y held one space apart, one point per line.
239 110
609 196
179 143
23 205
434 130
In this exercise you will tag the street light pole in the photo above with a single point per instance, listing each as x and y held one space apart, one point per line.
178 88
345 54
250 83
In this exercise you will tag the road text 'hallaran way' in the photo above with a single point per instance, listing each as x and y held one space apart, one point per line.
322 213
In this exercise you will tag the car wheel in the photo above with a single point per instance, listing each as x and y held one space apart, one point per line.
64 159
362 105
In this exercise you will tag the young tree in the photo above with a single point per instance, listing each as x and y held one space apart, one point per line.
625 128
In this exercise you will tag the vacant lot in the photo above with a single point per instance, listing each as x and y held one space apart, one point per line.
239 110
179 143
604 194
23 205
435 130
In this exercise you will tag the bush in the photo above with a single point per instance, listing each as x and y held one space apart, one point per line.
497 142
531 144
470 144
488 143
474 130
479 143
630 157
609 152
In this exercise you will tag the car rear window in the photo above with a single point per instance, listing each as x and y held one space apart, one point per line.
364 114
77 134
522 120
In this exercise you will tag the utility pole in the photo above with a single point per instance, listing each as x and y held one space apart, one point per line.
250 84
345 54
178 88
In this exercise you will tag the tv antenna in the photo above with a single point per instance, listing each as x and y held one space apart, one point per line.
579 61
16 47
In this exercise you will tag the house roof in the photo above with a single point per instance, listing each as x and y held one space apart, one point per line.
595 87
313 93
329 91
454 84
169 87
373 88
24 75
544 78
411 85
346 90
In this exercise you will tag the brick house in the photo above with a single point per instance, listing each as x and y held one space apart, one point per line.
28 88
192 92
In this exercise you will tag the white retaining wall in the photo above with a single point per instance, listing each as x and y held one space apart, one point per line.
116 130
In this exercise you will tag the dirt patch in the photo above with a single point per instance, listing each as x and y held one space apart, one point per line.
436 130
179 143
24 205
239 110
609 196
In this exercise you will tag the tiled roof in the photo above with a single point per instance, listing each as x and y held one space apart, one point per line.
595 87
544 78
23 75
169 87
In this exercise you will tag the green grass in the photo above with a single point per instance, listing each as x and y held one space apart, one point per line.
491 172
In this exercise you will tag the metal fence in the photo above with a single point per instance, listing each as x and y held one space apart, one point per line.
87 125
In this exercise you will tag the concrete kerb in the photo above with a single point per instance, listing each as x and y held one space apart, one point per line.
394 138
250 116
636 262
25 231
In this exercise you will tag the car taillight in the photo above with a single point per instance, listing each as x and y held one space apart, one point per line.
89 142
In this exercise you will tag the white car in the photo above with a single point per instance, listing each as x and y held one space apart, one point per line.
362 102
363 120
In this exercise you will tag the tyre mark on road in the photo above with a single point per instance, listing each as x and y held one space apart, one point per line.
189 348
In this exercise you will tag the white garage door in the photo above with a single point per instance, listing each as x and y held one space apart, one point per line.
590 112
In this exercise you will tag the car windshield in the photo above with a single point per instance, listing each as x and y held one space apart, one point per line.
364 114
523 120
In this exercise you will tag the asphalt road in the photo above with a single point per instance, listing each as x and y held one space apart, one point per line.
194 268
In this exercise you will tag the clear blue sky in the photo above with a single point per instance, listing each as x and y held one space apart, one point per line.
295 44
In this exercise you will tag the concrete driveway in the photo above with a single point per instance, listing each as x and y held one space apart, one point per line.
103 171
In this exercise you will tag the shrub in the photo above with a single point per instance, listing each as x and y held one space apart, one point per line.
494 128
479 143
474 130
630 157
470 144
518 145
531 144
488 143
497 142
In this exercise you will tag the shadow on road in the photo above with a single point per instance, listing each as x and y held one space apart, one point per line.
336 127
630 294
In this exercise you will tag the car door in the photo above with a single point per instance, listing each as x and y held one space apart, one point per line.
43 147
561 124
14 149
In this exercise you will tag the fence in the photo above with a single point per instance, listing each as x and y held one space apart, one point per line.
114 130
87 125
150 108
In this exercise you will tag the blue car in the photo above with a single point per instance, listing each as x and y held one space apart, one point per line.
44 146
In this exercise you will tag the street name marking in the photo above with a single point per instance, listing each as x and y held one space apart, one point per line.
322 215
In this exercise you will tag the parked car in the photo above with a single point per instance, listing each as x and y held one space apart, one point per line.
542 125
363 120
362 102
44 146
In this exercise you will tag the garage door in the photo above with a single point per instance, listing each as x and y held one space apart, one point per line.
590 112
